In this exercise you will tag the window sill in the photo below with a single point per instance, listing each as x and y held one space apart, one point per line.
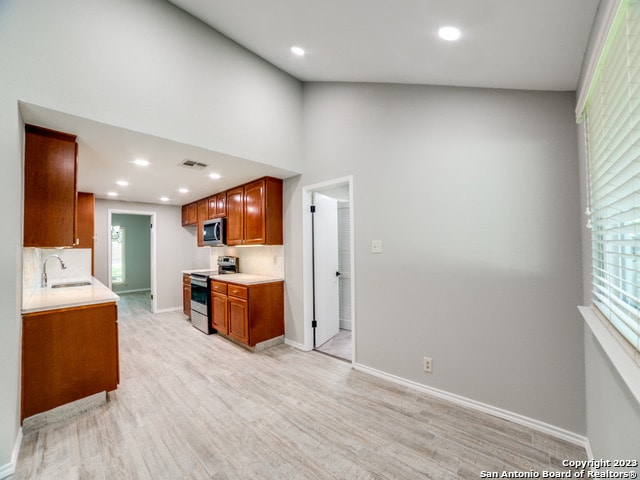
623 356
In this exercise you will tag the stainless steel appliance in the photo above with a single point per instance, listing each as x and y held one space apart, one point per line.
200 301
201 293
227 264
215 232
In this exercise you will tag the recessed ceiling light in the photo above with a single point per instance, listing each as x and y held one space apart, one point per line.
141 162
215 176
298 51
449 33
164 199
113 194
122 183
183 190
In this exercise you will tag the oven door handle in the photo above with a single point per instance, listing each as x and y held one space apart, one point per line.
198 283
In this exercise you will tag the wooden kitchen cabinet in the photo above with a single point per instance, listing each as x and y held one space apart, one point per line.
85 223
213 206
221 204
50 197
239 319
201 215
217 205
68 354
186 294
219 307
249 314
235 216
254 213
189 215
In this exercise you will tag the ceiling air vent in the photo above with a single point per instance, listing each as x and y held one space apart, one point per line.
192 164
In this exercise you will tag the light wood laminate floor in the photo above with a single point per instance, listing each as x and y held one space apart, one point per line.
338 346
195 406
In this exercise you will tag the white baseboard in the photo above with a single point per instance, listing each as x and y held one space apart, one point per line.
483 407
10 468
297 345
345 325
165 310
588 448
133 290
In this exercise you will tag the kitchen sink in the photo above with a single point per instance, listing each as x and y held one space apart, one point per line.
82 283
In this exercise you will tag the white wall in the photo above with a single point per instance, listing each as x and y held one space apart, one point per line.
148 66
475 196
143 65
176 248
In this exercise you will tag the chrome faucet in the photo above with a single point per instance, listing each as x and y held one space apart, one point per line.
43 282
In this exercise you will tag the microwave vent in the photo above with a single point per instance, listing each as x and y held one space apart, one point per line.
193 164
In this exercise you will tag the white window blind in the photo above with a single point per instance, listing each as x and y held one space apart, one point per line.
612 116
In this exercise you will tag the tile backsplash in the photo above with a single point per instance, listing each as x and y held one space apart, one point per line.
259 260
77 260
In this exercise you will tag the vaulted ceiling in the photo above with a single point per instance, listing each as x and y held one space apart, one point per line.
516 44
513 44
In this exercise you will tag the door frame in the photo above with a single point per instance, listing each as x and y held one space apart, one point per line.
307 258
152 252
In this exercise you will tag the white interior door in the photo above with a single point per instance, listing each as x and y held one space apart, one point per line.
327 300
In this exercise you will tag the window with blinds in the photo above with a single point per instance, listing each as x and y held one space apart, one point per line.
612 116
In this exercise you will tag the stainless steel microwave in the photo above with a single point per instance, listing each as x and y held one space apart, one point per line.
215 232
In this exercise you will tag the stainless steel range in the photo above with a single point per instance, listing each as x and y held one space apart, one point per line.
201 293
200 301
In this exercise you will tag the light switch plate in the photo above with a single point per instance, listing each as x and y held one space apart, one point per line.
376 246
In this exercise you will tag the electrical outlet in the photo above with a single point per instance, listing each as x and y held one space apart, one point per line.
275 260
427 365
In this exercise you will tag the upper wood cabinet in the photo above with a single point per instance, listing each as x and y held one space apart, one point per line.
189 215
263 212
235 216
217 205
202 207
50 168
253 212
212 206
221 204
85 223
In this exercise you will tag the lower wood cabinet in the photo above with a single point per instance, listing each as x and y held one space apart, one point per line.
219 307
68 354
248 314
186 295
239 319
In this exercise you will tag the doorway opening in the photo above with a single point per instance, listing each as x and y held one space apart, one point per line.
330 325
132 259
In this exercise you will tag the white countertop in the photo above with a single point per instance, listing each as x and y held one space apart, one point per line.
46 298
241 278
246 278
